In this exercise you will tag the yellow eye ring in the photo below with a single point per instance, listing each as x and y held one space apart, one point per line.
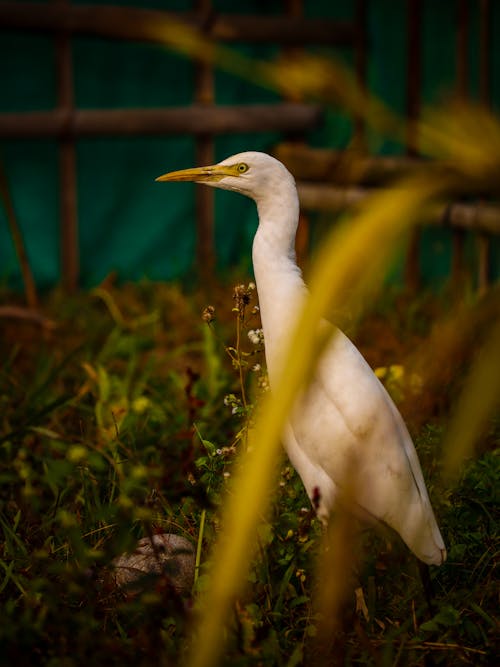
242 167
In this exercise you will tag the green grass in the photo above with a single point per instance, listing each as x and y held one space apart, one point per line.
125 419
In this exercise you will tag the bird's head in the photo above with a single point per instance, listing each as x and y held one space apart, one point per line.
256 175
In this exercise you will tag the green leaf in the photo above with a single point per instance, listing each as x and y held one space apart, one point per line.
446 617
104 383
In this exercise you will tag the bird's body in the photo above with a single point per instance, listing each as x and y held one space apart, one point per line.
345 436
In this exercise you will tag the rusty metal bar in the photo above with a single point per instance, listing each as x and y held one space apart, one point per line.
484 51
69 250
344 167
413 85
483 262
153 25
462 45
294 10
457 257
195 119
360 64
205 152
462 86
477 217
413 76
483 241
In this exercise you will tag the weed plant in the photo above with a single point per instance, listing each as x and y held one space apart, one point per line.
124 420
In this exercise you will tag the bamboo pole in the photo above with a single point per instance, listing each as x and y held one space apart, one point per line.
195 119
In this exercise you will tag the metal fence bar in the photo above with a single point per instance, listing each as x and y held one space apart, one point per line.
360 65
205 154
413 89
458 271
483 241
69 250
153 25
195 119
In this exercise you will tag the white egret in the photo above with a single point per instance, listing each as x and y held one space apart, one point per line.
344 420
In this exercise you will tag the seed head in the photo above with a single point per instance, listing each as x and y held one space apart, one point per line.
208 314
242 295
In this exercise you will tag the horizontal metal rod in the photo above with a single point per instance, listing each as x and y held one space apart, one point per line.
195 119
148 24
343 167
335 199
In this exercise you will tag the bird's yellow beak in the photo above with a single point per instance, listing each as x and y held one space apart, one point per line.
209 174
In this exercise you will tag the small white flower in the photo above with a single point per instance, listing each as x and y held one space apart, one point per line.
256 368
251 286
218 452
234 409
256 336
263 383
226 474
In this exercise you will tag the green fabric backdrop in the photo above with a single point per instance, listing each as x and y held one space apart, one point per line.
139 228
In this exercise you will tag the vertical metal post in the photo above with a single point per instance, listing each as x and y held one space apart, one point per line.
69 251
483 242
484 51
462 60
462 87
360 58
205 214
295 9
413 87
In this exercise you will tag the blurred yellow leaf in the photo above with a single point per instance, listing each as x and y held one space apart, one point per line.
478 400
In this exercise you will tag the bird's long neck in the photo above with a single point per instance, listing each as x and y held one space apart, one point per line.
279 281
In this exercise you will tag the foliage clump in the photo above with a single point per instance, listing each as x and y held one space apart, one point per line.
125 420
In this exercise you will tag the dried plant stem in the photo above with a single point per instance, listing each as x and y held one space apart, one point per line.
198 545
17 239
28 315
238 359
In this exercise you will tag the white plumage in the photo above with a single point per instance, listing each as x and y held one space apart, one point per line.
344 425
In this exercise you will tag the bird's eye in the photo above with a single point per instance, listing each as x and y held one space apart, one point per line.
242 167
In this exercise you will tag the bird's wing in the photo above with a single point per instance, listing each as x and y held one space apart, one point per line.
347 418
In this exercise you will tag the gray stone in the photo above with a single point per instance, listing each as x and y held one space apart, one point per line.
166 554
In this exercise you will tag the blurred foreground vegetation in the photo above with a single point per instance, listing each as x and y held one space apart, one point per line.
120 417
